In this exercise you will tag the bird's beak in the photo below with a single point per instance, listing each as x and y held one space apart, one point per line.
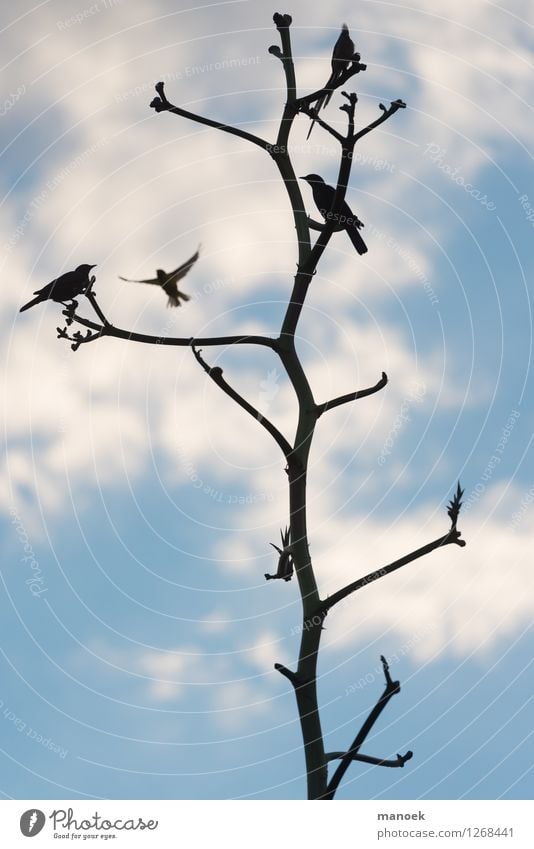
93 266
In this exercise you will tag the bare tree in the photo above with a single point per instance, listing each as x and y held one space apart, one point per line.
294 555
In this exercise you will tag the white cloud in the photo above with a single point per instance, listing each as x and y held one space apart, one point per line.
209 682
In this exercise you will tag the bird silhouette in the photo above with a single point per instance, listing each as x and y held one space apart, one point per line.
342 55
64 288
169 281
345 219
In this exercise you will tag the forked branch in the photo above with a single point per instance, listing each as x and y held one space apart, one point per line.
387 112
392 687
307 110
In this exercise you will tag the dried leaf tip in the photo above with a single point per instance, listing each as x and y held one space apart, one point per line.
285 559
455 505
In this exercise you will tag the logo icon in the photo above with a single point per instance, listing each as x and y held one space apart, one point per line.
32 822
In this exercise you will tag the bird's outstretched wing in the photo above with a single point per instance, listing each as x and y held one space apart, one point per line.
152 280
182 270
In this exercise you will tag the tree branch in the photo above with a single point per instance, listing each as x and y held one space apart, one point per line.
453 536
387 113
308 266
161 104
287 673
307 110
352 396
91 297
392 687
279 152
368 759
107 329
347 147
283 23
350 109
315 225
78 338
216 375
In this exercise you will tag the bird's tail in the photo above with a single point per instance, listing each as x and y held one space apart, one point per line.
309 134
321 103
174 300
31 303
327 98
356 239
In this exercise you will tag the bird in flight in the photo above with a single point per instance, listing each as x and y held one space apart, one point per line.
345 219
168 280
64 288
343 54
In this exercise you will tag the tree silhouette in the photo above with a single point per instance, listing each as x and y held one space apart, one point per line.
294 556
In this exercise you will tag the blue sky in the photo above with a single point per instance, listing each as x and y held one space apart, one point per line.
138 636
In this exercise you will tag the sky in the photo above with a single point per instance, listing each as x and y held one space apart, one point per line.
137 502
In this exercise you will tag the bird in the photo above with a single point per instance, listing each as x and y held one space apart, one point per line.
64 288
169 280
323 196
342 56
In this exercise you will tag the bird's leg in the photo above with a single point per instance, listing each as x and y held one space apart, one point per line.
89 286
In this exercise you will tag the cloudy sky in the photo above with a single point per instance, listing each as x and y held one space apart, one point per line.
138 634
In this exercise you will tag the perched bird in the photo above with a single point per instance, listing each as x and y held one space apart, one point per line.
342 56
345 219
64 288
169 281
285 559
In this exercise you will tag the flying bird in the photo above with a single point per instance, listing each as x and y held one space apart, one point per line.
343 54
64 288
323 196
169 281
